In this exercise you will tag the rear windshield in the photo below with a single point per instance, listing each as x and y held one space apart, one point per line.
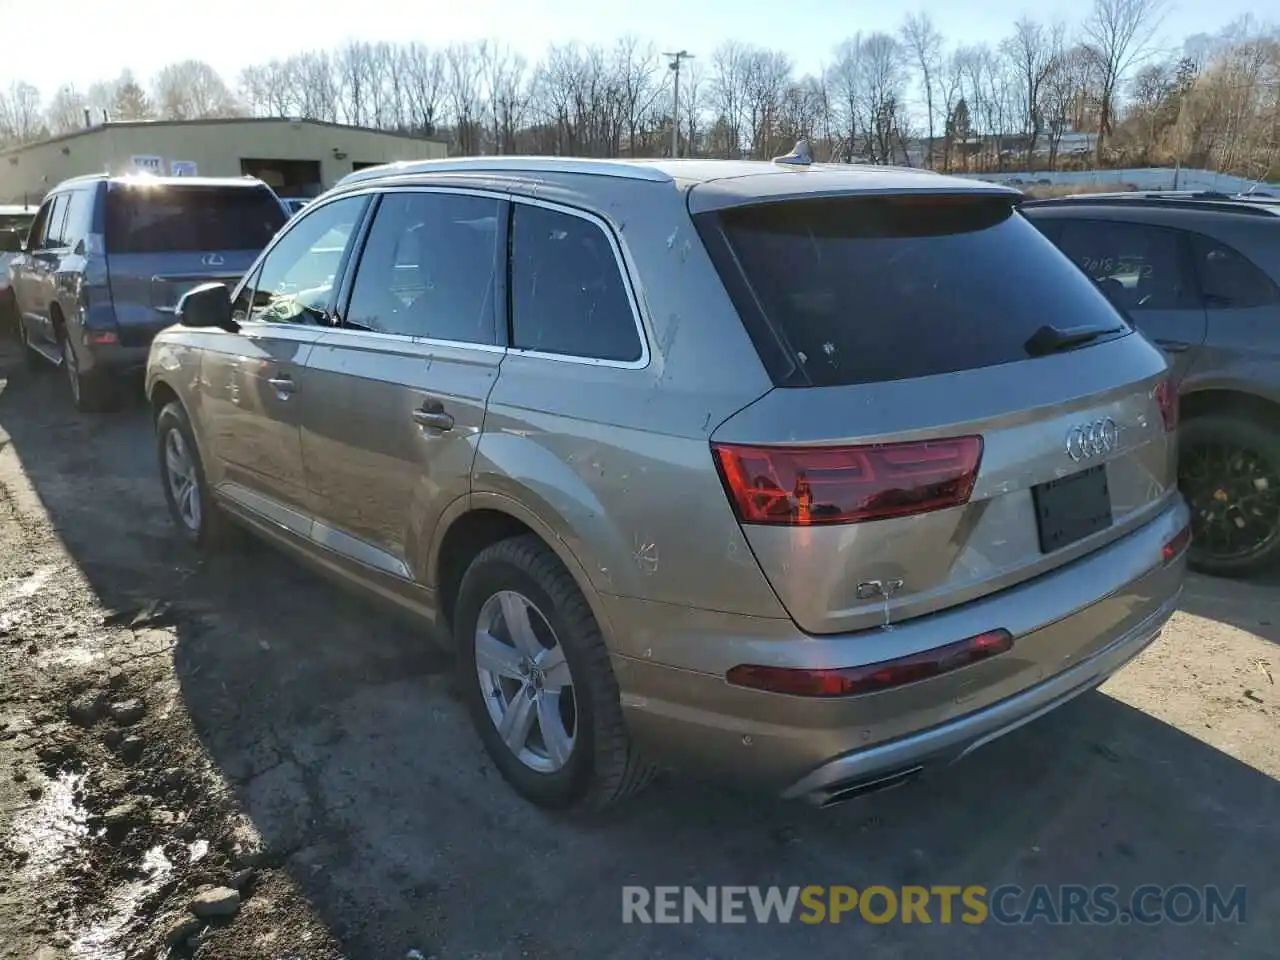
160 219
864 290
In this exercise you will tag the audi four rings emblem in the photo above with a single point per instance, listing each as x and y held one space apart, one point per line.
1092 439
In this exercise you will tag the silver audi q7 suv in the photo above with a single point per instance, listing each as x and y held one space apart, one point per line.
817 475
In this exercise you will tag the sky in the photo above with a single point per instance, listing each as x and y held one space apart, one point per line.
96 39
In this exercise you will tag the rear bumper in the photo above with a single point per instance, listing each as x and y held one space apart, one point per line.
113 359
956 740
1074 627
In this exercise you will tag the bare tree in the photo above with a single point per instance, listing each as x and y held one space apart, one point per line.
766 79
1030 52
503 73
693 96
883 69
65 113
463 68
192 90
424 79
728 94
923 45
20 119
1119 34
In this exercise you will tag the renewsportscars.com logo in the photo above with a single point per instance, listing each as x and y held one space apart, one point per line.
973 904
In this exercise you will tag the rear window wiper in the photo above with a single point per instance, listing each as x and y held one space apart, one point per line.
1050 339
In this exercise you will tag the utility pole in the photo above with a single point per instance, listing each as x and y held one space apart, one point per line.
674 65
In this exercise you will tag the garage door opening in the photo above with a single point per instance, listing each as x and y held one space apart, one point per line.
289 178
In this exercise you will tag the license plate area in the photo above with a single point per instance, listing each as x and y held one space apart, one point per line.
1072 508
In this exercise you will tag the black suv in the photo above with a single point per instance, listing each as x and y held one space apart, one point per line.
1199 274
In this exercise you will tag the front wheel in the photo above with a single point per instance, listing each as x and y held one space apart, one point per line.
535 672
1229 472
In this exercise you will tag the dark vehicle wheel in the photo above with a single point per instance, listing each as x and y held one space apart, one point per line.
535 672
91 393
1229 471
197 516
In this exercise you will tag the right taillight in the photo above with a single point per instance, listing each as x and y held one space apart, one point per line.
803 486
1167 398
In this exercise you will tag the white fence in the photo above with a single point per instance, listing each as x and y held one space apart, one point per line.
1143 178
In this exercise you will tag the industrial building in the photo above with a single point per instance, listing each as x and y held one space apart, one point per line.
296 157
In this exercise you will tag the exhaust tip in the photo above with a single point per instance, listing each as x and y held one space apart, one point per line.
851 789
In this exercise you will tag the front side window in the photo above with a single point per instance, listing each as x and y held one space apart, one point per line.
428 268
295 281
1139 267
567 292
36 232
1228 280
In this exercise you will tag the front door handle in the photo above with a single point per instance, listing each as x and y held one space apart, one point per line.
433 419
284 386
1173 346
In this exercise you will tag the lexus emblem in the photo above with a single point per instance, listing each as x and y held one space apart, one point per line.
212 260
1089 440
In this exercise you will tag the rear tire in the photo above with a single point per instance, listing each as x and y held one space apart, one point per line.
195 513
90 393
1229 471
588 760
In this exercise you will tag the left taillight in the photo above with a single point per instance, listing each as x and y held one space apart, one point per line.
803 486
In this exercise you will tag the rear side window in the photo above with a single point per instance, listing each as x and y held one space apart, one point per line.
873 289
180 219
1138 266
567 291
1228 280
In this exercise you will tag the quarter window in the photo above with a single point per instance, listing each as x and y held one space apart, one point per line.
296 279
428 268
1228 280
1139 267
568 295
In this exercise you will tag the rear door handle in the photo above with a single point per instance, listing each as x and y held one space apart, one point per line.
1173 346
433 418
284 386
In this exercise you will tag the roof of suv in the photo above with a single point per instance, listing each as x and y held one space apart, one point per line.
1202 200
740 178
152 179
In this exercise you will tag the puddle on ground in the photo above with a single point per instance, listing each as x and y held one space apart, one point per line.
100 939
45 830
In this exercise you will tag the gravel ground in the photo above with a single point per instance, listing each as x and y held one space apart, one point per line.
236 737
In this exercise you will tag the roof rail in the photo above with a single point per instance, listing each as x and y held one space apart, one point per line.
626 169
1205 200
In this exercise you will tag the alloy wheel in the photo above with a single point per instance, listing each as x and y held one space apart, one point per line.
526 682
1234 494
180 472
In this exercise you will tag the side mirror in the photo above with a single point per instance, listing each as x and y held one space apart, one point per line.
10 242
208 305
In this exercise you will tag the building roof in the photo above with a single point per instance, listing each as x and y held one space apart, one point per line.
210 121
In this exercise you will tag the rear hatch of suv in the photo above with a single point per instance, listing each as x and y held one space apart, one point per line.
163 238
957 409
